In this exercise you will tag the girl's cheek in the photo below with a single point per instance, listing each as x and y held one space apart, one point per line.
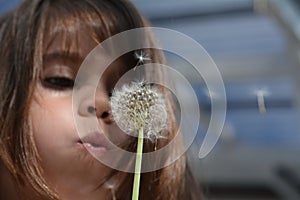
51 118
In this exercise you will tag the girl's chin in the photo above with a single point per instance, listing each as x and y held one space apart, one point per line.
86 174
84 193
89 158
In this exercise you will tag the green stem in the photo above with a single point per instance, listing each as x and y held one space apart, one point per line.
138 166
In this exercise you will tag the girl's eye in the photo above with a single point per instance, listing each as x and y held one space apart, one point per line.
58 83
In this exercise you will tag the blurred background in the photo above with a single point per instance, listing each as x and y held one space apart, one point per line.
256 46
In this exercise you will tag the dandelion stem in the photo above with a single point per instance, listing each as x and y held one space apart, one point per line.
138 165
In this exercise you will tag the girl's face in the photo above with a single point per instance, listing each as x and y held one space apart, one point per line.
68 167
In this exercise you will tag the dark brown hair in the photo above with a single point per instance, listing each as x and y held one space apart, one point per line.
22 41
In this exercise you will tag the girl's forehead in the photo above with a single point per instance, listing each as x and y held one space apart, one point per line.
79 42
78 29
77 34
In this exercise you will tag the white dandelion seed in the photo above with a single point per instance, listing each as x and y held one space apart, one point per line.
138 105
141 57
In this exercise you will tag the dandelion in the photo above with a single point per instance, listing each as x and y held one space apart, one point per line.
137 106
140 111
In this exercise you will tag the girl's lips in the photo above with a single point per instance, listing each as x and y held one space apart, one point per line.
97 151
96 143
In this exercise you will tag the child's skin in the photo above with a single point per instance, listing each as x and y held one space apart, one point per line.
69 167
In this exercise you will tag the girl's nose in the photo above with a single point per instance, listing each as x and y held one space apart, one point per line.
97 104
102 106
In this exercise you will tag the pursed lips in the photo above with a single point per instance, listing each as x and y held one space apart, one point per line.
96 143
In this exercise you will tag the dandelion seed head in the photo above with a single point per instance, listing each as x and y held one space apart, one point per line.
138 105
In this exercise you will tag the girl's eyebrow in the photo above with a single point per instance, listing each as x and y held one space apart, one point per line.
73 60
62 56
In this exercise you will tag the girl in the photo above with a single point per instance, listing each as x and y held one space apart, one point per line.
43 43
